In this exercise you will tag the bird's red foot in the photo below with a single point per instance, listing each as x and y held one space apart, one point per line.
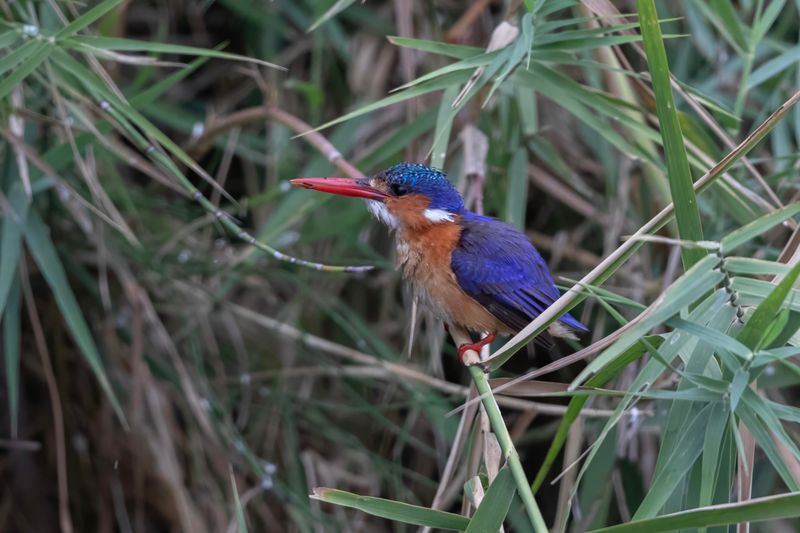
462 349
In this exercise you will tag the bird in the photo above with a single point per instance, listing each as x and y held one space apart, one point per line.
471 271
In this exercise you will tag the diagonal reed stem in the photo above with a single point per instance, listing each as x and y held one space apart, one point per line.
499 428
509 452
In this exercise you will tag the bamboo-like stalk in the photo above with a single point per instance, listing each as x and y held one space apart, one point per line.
509 451
501 431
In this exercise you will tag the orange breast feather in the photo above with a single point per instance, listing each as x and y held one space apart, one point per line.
424 252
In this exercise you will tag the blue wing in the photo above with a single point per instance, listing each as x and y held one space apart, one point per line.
497 266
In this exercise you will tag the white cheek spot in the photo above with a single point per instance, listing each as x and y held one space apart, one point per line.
438 215
379 211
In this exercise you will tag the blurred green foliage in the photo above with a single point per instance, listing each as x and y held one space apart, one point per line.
161 328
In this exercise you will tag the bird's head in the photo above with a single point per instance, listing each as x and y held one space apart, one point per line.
406 195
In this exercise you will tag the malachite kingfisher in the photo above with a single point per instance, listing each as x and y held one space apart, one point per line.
471 271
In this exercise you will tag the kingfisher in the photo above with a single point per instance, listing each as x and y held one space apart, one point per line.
470 270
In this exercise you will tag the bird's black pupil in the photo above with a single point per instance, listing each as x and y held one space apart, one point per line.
398 189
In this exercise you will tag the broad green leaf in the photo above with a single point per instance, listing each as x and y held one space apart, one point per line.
681 187
699 371
758 323
399 140
714 337
741 378
31 63
21 54
455 51
576 99
87 18
682 293
723 16
437 85
8 38
528 111
762 24
784 412
11 350
470 63
495 504
751 265
241 524
95 43
517 195
46 257
576 404
676 343
13 228
712 448
780 64
335 9
753 291
755 510
759 406
153 92
393 510
681 458
763 436
757 227
444 125
776 354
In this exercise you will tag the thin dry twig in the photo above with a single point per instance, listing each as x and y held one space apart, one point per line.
65 518
396 371
204 142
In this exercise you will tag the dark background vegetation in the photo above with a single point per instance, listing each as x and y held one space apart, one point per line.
231 365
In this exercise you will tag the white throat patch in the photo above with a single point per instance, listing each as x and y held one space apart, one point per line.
379 211
438 215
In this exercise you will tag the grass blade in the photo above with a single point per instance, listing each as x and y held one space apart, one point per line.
20 54
241 524
93 43
444 124
687 214
610 264
517 195
494 507
577 403
456 51
392 510
759 322
11 243
760 509
332 11
11 347
21 72
685 291
87 18
45 255
757 227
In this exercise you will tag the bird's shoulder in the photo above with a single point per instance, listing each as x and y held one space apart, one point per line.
493 251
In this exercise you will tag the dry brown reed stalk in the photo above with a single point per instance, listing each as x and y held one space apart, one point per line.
251 115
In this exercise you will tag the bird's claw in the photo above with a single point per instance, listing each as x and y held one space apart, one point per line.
464 348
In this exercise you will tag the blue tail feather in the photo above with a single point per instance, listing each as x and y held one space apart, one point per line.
572 322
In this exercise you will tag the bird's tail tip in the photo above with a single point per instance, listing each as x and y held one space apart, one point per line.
566 328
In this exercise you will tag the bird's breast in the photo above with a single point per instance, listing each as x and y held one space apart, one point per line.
425 258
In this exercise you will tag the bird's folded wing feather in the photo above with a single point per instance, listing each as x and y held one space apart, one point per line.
497 266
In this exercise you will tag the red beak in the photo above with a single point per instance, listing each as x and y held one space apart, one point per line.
359 188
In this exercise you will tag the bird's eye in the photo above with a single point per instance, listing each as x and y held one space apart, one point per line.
398 189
